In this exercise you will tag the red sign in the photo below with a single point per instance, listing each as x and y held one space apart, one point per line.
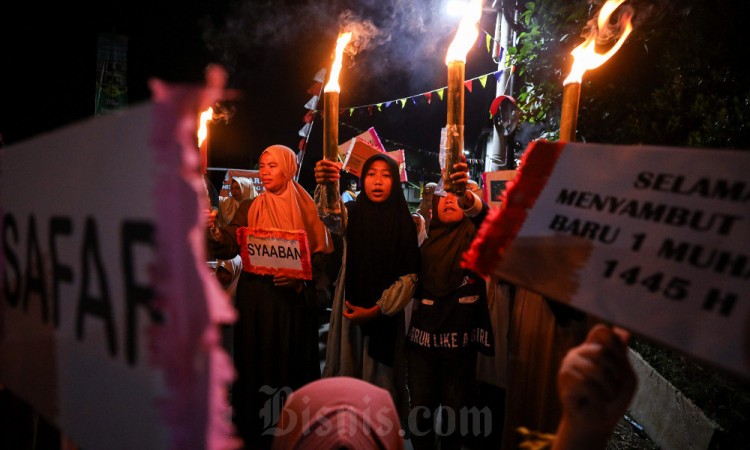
275 252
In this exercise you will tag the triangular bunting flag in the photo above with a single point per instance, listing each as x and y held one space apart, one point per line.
320 76
302 144
305 130
315 88
488 39
312 103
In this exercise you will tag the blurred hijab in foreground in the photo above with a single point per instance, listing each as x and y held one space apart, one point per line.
339 413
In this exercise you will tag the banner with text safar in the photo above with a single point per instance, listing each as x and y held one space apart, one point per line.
109 316
654 239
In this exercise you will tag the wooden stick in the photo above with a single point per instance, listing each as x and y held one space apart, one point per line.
330 145
455 123
569 116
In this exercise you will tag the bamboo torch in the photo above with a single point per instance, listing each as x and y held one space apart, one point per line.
456 60
331 121
206 116
586 58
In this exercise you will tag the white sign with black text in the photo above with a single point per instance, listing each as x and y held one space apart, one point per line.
655 239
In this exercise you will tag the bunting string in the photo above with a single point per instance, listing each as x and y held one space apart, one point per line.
371 107
316 90
489 40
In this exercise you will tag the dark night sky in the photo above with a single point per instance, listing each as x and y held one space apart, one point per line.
271 53
49 57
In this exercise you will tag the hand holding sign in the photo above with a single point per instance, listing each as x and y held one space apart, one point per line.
285 281
596 383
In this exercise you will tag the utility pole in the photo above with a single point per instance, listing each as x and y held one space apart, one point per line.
496 152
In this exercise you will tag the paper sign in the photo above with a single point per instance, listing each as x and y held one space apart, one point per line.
358 152
400 158
495 184
369 137
443 146
88 274
344 149
356 156
654 239
252 174
275 252
64 350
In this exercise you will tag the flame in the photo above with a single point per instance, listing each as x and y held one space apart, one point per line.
585 56
206 116
466 34
333 80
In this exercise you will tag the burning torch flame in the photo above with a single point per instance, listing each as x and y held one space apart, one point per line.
466 34
585 56
206 116
333 80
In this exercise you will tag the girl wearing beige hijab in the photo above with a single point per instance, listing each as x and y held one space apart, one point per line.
276 334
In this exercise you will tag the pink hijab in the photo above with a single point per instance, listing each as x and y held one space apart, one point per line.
338 412
291 210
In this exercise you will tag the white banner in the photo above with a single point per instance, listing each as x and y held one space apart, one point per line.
106 300
69 242
654 239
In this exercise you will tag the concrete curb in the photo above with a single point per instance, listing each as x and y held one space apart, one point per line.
669 419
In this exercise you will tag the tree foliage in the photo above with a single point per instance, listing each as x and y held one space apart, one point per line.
677 81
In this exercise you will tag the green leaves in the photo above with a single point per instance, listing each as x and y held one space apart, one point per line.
676 81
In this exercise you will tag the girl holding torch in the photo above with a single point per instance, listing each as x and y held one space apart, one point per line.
450 321
377 278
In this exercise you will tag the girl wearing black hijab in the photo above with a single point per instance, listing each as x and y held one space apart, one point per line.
377 279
